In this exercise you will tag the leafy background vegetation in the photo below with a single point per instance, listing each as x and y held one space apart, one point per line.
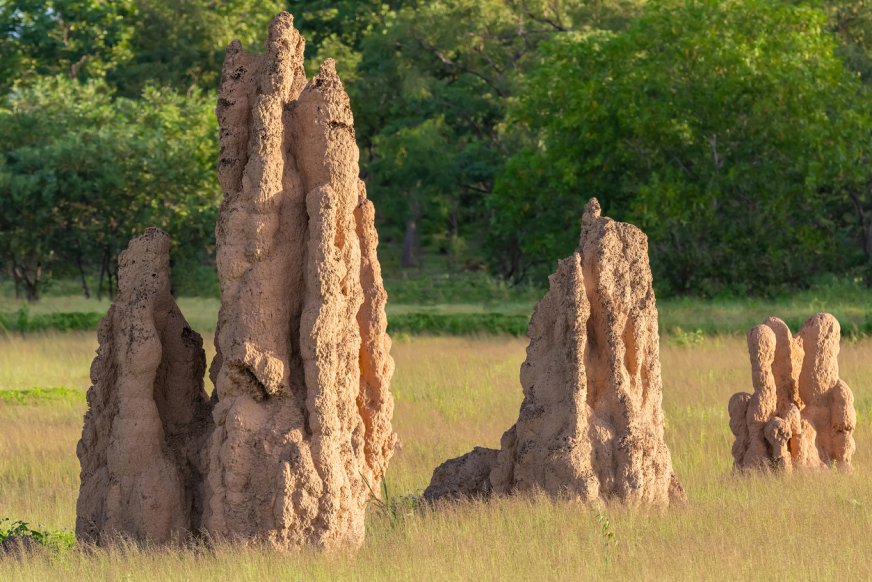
735 133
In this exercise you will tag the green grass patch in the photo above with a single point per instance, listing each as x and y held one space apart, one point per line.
458 324
23 321
850 303
36 395
471 303
687 320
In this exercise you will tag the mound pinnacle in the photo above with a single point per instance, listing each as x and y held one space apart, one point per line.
148 416
297 436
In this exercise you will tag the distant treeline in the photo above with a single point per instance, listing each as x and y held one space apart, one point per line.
736 133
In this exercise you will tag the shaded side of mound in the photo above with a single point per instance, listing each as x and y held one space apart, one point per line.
148 416
591 425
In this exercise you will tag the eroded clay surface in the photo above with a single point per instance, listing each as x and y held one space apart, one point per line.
148 416
303 421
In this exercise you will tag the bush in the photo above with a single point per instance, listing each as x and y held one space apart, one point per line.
19 533
458 324
22 321
38 394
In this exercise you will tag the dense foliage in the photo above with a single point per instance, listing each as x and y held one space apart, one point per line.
729 131
81 171
736 133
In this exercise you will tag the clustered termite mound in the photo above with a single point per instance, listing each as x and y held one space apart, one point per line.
591 424
303 420
801 413
297 435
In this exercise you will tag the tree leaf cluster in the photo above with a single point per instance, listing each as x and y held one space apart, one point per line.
82 171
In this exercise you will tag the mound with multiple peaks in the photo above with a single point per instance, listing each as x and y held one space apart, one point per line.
801 413
303 420
148 416
297 435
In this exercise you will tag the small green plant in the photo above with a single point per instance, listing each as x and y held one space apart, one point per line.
19 530
683 338
22 318
608 536
606 529
394 507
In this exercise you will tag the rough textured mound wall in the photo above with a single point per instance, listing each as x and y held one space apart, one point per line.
801 414
591 424
303 421
148 416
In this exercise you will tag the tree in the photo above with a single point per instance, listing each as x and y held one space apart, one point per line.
454 65
181 44
80 173
850 21
418 170
729 131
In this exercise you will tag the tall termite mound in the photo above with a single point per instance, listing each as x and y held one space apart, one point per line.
591 423
801 413
303 420
148 416
297 435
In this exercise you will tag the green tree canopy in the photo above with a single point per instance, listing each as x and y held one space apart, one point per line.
728 130
449 70
181 44
77 38
81 173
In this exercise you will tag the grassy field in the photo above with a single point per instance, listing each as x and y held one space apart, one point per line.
451 394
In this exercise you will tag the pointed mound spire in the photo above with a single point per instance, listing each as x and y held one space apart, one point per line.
591 425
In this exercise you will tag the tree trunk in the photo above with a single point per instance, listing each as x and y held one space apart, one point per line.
865 234
31 284
85 291
102 275
32 292
867 246
411 245
17 282
453 239
113 276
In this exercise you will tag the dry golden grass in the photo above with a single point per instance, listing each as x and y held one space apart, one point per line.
46 359
452 394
